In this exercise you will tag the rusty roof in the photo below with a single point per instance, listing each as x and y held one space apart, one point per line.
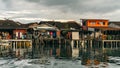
10 24
115 22
63 25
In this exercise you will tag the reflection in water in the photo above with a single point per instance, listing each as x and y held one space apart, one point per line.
89 56
99 56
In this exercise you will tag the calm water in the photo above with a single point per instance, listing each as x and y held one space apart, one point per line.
103 56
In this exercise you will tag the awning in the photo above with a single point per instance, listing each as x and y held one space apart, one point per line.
109 28
44 28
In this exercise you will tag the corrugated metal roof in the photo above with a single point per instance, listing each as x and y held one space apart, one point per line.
61 25
114 24
10 24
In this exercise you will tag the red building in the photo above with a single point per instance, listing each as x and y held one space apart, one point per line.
11 30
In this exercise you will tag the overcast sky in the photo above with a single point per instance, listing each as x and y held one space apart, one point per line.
27 11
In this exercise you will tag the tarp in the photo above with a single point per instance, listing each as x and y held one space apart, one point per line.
44 27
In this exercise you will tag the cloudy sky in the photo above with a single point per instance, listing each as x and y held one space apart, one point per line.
27 11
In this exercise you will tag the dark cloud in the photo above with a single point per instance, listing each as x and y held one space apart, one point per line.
34 1
81 6
102 6
61 9
77 6
8 4
54 2
60 2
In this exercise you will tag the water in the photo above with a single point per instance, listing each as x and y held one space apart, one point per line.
98 54
53 63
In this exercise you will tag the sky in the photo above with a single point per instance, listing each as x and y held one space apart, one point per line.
26 11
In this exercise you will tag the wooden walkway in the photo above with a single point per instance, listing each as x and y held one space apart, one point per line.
111 43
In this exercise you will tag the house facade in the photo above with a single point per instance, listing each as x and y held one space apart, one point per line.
69 33
13 37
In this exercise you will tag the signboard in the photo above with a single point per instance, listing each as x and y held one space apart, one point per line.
75 35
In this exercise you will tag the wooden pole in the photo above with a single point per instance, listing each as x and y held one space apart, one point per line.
14 47
103 45
111 44
116 44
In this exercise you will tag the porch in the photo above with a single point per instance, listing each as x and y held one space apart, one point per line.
15 47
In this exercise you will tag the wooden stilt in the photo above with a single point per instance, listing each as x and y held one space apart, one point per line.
103 45
111 44
116 44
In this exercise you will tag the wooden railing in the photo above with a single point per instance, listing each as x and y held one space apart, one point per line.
15 45
112 43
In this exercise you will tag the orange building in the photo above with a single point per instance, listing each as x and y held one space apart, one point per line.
95 23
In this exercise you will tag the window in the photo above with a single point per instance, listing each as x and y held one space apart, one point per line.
92 23
101 23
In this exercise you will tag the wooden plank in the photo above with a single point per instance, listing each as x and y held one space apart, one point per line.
111 40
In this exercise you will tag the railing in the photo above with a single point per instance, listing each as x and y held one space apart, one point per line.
111 44
111 37
15 45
